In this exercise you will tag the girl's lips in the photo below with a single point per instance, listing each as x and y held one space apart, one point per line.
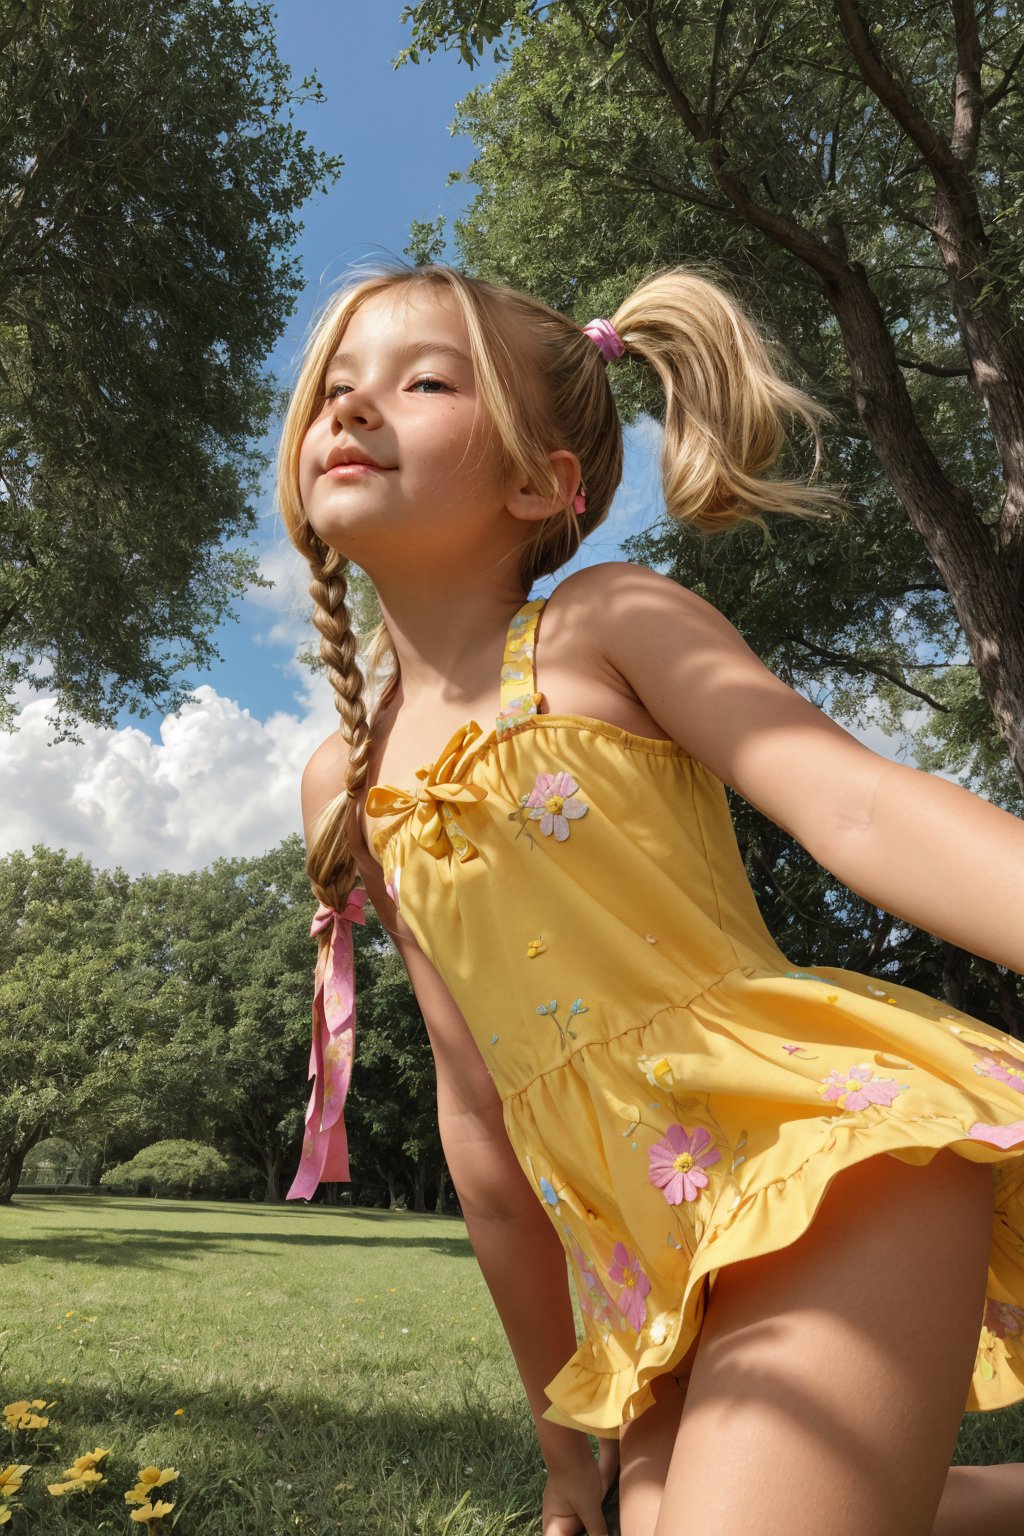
353 471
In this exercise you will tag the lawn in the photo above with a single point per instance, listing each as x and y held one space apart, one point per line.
337 1370
304 1369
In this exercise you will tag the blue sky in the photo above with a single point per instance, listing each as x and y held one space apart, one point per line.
220 777
393 129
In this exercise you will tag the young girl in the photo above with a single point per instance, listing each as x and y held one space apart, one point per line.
631 1075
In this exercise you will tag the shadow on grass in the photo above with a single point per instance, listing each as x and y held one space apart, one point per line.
69 1238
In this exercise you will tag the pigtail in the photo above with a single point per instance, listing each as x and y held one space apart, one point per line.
726 404
329 863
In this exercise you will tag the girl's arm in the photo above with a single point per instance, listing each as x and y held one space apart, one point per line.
927 850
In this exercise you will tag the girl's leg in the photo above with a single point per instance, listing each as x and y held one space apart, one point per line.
982 1501
976 1501
831 1376
646 1449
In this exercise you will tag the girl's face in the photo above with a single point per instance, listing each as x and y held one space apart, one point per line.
401 464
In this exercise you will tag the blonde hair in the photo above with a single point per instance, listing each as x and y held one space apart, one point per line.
544 385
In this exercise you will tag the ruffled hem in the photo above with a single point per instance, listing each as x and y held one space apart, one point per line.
601 1401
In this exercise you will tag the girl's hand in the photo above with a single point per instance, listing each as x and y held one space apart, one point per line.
572 1502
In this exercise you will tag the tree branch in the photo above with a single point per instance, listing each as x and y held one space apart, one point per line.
777 225
716 56
997 92
937 153
935 369
968 103
873 669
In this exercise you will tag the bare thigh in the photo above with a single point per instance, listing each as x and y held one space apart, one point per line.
645 1451
830 1377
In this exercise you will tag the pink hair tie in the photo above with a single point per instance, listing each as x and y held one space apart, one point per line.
606 338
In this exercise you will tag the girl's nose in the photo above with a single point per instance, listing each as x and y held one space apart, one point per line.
357 408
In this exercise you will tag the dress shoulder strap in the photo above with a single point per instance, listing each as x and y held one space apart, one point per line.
518 698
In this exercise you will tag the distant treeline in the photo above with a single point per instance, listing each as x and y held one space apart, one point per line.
135 1011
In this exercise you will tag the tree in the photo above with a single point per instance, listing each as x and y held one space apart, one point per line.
391 1115
70 1004
768 134
865 162
151 174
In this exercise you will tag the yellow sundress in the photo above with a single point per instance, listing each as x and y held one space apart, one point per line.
678 1092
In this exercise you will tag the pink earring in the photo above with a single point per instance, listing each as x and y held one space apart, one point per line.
579 501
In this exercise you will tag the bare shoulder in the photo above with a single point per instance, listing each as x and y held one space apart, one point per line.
709 691
611 597
323 777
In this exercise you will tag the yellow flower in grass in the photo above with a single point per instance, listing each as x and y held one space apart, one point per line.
19 1415
5 1514
150 1478
87 1462
151 1512
10 1479
72 1485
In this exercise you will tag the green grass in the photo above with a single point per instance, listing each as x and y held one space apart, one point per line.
338 1370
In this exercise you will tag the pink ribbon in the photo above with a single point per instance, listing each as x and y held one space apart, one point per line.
325 1145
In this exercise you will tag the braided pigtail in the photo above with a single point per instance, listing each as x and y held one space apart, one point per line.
329 864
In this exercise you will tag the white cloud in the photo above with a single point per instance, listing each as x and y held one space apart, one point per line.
218 783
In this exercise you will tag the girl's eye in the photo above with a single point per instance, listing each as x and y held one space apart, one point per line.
430 385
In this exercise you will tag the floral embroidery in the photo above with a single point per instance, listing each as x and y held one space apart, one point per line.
798 1050
657 1070
1003 1318
625 1270
999 1135
536 947
593 1298
554 804
1002 1071
549 1192
678 1161
550 1010
991 1354
860 1087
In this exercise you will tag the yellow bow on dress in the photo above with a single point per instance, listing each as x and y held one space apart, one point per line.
443 785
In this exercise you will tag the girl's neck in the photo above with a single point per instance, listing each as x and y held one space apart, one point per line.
446 641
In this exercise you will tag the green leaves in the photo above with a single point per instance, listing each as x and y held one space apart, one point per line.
152 175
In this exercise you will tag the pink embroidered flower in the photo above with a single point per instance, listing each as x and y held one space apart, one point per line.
554 804
1002 1318
1012 1074
859 1087
625 1270
999 1135
678 1161
593 1298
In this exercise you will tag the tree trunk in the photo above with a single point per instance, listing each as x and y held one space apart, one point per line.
12 1160
419 1186
442 1190
979 580
392 1184
272 1193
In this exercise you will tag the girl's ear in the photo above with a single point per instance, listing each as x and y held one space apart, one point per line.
531 506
